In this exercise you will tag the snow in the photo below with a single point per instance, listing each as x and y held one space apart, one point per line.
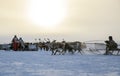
42 63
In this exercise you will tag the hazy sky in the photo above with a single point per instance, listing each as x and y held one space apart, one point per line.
73 19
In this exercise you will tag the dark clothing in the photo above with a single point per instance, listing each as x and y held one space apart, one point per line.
111 45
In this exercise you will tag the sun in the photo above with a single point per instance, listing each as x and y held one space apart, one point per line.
46 13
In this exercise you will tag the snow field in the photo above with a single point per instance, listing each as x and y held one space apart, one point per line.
42 63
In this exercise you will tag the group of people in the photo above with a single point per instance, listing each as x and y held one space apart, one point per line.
17 44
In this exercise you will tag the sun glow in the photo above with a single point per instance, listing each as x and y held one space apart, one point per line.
47 13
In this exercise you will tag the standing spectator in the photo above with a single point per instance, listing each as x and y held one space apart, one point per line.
21 42
15 43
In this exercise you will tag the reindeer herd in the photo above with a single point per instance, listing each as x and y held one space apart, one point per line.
62 47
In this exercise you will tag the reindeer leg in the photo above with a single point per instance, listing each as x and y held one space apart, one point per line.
118 51
52 52
112 52
63 52
55 52
80 52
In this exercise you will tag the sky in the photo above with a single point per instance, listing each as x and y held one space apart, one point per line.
71 20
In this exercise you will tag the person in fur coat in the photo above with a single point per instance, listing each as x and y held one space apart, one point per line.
15 43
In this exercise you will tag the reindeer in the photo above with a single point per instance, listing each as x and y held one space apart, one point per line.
63 47
73 47
56 47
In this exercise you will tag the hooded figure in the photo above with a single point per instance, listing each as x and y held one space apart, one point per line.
15 43
112 44
21 42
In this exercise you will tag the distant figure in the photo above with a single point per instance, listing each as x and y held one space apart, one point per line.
21 44
15 43
110 45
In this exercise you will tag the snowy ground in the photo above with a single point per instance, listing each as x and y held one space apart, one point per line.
41 63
